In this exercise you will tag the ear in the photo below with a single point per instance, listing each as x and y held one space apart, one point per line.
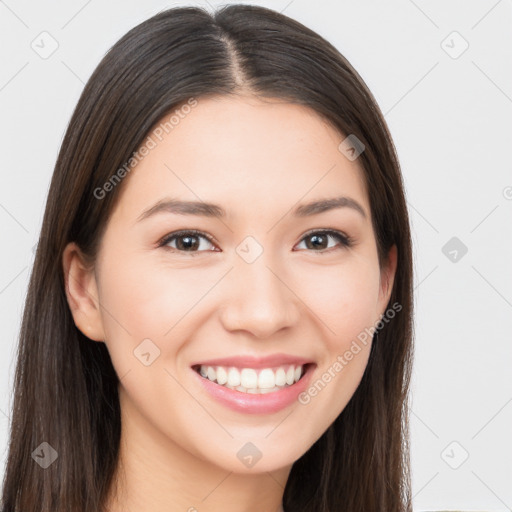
387 279
82 293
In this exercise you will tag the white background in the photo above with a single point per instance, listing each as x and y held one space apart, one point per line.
451 120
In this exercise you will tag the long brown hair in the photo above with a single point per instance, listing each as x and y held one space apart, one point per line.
66 389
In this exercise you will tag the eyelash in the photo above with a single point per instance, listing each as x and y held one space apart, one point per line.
344 240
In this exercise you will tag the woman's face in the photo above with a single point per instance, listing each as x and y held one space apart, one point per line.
270 283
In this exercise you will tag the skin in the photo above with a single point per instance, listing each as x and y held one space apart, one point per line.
258 160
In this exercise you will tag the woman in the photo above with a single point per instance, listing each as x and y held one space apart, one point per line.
219 316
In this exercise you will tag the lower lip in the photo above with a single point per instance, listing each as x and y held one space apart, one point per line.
257 403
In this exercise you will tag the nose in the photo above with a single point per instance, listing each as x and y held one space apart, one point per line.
259 299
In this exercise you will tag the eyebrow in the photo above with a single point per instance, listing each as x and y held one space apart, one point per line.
200 208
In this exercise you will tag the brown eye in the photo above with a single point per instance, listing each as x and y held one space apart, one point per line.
186 241
318 241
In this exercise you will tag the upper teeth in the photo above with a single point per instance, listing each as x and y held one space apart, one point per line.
248 379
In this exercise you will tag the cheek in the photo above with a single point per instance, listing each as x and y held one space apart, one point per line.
343 299
149 299
132 305
345 302
149 302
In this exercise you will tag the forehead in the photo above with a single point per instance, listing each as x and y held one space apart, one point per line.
243 153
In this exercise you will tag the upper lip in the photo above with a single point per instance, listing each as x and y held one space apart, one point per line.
249 361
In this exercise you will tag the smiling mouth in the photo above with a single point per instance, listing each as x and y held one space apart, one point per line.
252 380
